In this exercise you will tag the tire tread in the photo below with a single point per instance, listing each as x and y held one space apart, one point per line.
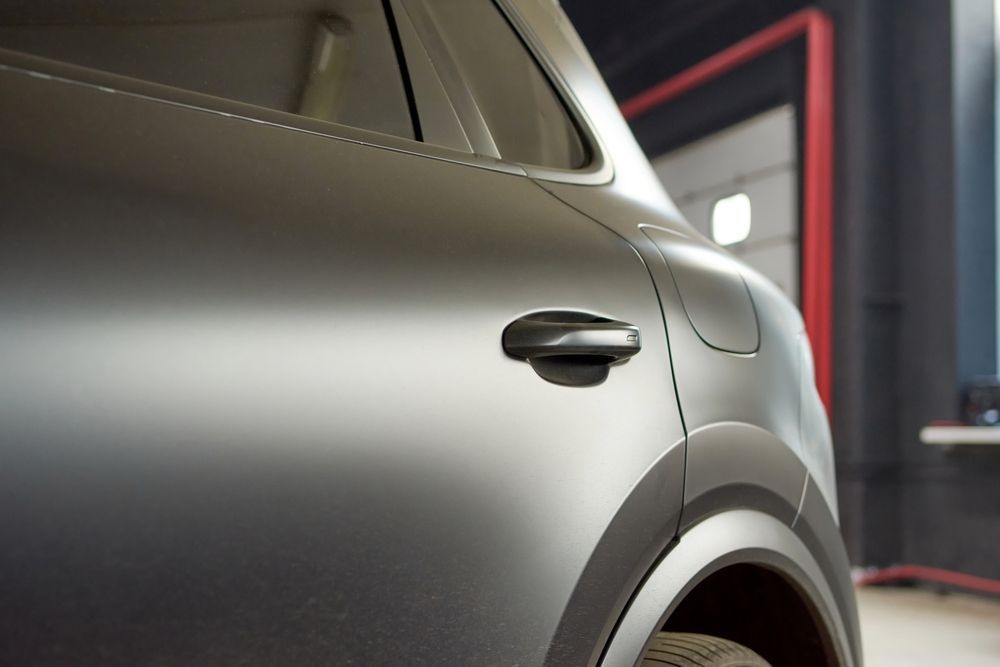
689 649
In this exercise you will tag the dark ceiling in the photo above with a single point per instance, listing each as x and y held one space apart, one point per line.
639 42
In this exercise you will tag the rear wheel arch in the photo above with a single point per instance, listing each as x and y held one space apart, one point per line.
760 608
731 539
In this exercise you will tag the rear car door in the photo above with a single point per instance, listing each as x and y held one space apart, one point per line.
255 404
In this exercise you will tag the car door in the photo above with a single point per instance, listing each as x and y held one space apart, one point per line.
255 401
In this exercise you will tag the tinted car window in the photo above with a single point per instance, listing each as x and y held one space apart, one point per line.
327 59
527 119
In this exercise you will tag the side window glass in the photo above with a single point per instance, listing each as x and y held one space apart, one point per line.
333 60
524 114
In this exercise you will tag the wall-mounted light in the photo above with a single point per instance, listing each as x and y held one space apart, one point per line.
731 219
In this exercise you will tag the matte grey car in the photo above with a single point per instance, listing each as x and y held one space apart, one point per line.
361 332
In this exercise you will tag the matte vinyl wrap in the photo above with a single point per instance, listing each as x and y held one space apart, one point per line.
766 388
255 407
817 528
758 415
715 298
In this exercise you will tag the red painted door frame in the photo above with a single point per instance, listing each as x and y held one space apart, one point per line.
817 181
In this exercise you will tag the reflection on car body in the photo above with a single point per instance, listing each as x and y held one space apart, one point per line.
258 260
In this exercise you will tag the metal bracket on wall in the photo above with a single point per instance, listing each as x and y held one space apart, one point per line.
959 434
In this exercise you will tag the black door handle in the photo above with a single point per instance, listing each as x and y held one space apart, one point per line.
569 347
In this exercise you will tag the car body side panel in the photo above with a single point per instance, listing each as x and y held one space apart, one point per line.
713 385
712 290
732 465
743 405
746 444
765 388
636 536
255 407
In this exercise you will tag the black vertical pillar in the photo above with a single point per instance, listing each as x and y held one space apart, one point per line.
867 298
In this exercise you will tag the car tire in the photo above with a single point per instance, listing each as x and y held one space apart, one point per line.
686 649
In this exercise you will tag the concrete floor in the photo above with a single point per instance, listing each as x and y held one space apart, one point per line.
905 626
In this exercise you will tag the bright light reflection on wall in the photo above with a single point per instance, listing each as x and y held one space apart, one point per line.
731 219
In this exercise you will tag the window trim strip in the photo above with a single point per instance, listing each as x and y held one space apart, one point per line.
65 73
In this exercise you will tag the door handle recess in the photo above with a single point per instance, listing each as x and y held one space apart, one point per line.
571 348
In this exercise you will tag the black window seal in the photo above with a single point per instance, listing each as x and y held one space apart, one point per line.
404 72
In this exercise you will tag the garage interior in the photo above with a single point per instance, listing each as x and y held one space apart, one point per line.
721 108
